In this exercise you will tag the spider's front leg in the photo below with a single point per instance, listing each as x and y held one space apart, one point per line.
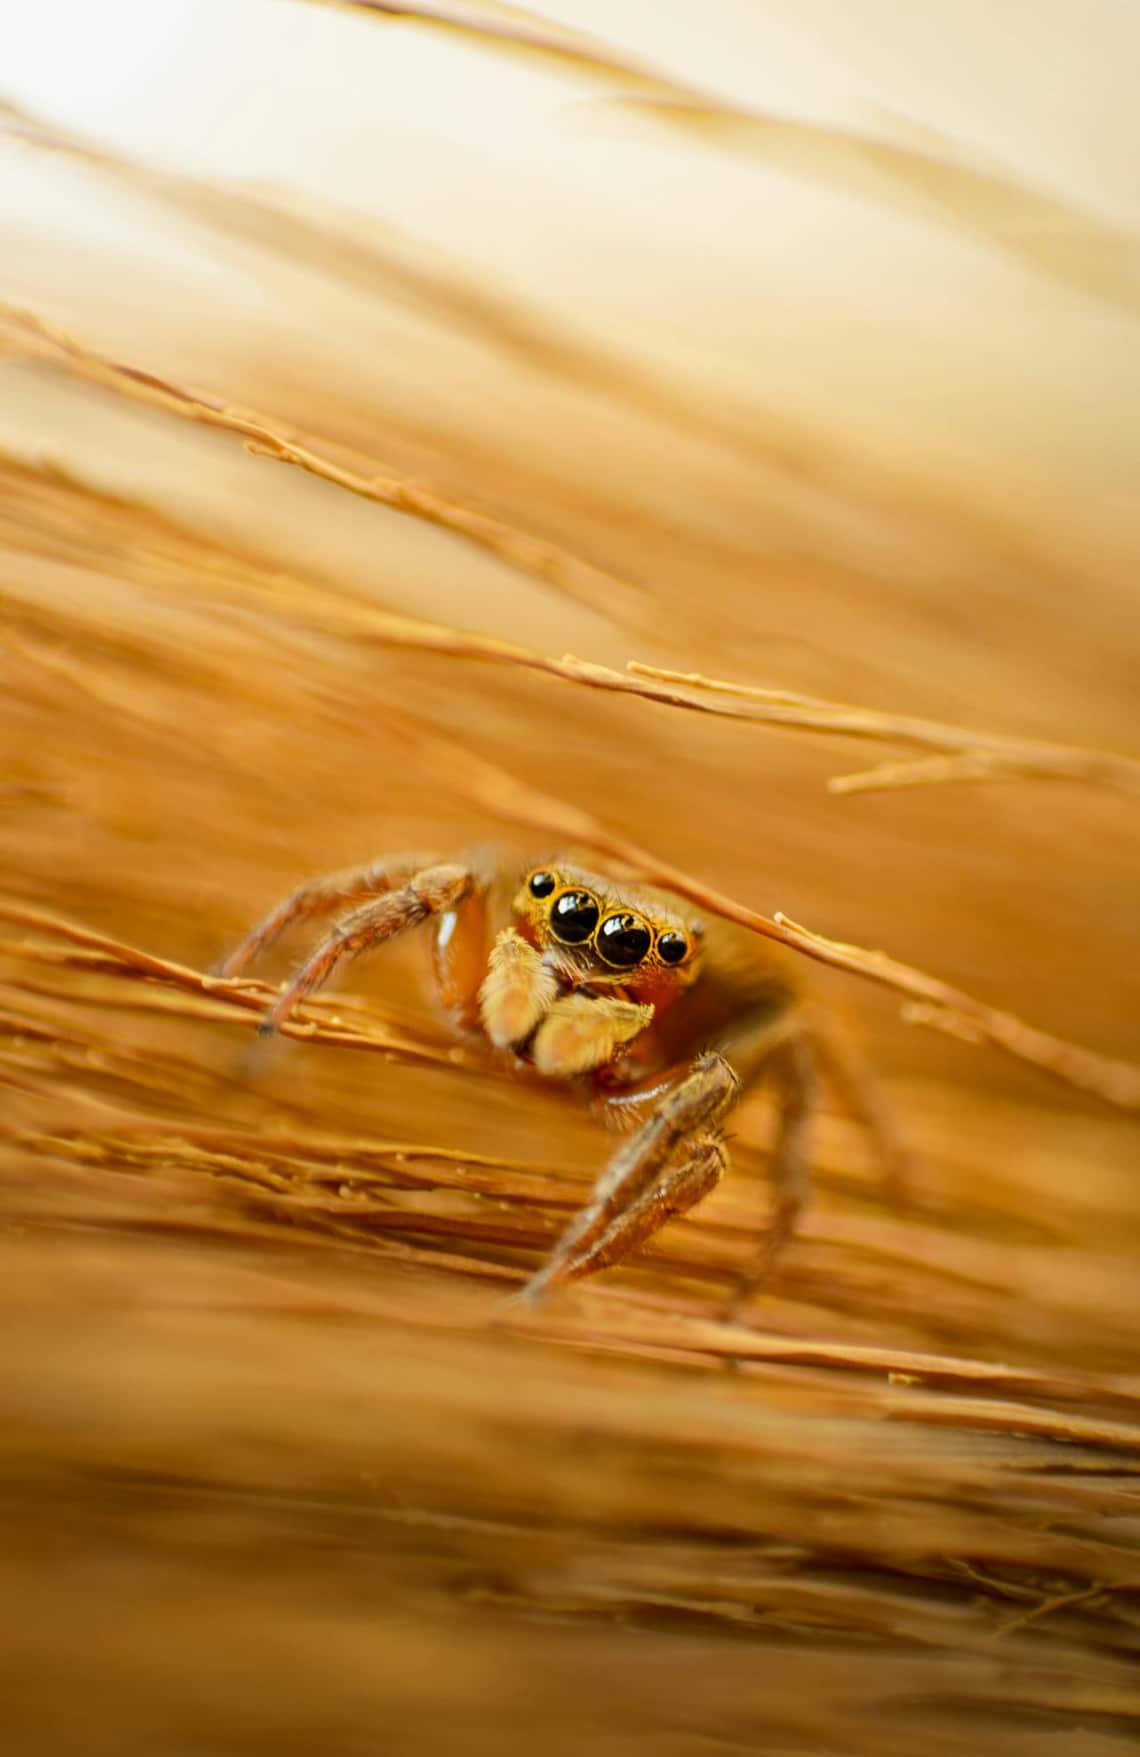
322 896
409 894
678 1156
673 1160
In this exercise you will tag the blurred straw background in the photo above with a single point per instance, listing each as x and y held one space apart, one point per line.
794 346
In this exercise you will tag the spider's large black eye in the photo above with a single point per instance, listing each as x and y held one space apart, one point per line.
623 941
574 917
542 883
671 947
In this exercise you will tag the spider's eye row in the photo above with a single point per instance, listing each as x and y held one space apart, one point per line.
623 941
542 883
671 947
574 917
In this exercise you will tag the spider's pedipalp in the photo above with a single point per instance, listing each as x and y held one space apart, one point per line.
517 991
583 1031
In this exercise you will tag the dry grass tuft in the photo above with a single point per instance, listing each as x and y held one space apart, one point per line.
289 1473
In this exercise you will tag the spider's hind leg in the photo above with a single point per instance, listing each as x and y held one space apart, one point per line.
857 1088
793 1064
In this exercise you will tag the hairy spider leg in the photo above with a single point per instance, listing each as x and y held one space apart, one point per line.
858 1089
680 1187
321 897
656 1173
796 1049
429 893
794 1065
684 1117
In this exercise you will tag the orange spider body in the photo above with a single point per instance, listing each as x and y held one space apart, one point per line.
665 1017
586 972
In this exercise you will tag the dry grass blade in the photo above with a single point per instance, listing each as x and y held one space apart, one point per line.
923 172
971 755
350 253
25 334
515 31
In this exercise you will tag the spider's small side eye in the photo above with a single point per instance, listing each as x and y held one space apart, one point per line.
623 941
542 883
671 947
574 917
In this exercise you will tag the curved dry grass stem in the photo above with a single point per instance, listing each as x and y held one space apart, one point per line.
923 171
25 333
346 249
971 755
515 30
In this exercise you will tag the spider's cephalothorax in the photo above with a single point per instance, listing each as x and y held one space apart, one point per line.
586 968
665 1018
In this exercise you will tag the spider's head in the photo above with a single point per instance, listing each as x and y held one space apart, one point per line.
605 931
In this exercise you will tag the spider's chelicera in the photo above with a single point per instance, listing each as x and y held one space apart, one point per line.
663 1018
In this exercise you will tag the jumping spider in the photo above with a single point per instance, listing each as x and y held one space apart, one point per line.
666 1019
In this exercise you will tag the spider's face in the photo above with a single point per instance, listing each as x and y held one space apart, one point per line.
604 931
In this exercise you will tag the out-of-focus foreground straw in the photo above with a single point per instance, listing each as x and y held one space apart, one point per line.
431 427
